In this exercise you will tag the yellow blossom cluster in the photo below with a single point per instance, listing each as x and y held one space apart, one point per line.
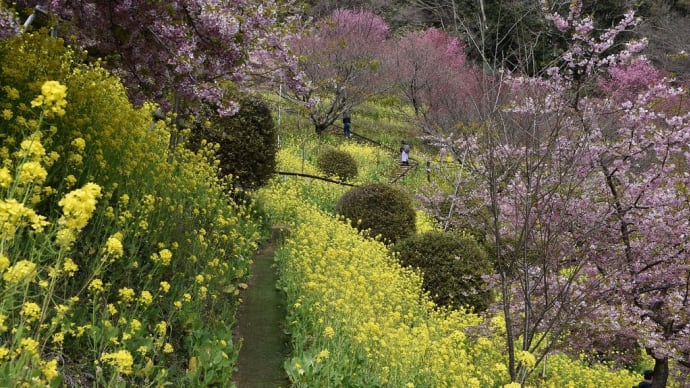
52 98
121 360
163 257
78 206
21 271
15 215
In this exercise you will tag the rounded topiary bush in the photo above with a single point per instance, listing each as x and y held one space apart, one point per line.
383 209
248 141
452 264
337 163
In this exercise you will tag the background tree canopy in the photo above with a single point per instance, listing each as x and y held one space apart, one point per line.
515 34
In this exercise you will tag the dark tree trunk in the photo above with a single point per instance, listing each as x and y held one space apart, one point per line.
660 373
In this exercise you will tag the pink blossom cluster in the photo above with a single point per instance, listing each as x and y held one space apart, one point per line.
9 25
188 50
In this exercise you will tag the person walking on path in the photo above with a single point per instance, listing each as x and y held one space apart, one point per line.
404 153
346 124
442 154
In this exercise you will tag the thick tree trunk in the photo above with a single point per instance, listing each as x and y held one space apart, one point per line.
319 128
660 373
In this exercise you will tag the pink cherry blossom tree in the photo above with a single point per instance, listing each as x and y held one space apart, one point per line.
340 59
428 69
636 203
181 50
582 190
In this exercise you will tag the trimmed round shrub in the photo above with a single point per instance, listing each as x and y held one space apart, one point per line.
452 266
336 163
248 141
382 209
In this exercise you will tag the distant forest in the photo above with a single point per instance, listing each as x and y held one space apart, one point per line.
514 34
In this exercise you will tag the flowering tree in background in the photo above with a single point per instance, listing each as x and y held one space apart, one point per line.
340 60
181 50
429 70
624 82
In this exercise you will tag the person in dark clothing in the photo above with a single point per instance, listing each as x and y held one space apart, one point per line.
346 124
647 383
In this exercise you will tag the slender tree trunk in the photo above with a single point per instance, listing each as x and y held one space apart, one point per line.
505 287
527 332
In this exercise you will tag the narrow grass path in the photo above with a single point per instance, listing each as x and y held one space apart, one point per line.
260 325
261 316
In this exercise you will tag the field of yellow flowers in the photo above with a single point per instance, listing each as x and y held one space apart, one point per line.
119 265
120 258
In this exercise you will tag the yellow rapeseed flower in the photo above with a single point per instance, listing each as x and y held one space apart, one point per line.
5 178
79 144
168 348
96 286
29 345
70 180
165 256
165 286
113 246
3 327
65 237
23 270
14 215
12 93
50 370
76 159
322 355
31 311
126 294
124 200
70 267
121 360
328 332
83 329
52 98
59 337
31 148
161 328
4 262
146 298
526 358
79 205
135 325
